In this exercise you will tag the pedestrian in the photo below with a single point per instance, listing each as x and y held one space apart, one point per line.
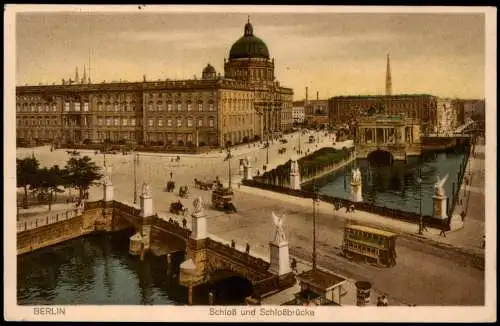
247 249
352 208
184 222
233 244
171 174
443 232
293 265
462 215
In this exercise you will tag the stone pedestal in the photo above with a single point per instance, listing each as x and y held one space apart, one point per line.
108 191
146 205
247 172
439 207
294 175
280 259
295 181
199 226
136 244
356 193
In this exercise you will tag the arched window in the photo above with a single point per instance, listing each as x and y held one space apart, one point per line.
179 122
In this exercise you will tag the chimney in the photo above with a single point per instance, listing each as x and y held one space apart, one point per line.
317 96
307 89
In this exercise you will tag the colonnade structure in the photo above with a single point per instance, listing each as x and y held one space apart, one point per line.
398 135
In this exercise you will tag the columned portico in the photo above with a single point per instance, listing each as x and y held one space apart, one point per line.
395 134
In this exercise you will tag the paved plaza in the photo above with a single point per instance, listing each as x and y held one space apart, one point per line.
428 271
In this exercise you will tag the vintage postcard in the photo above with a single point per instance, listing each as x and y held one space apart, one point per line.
250 163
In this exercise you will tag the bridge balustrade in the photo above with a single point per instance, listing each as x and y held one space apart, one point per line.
47 220
234 253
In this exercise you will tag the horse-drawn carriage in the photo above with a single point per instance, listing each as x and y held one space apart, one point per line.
282 150
177 208
204 185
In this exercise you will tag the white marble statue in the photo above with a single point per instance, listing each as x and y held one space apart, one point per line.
279 234
356 176
146 189
198 206
294 167
438 186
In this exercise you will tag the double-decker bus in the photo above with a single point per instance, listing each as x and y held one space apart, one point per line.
374 245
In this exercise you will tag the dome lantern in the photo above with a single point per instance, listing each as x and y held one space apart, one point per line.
249 45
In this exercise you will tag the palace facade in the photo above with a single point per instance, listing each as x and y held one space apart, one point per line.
423 107
245 104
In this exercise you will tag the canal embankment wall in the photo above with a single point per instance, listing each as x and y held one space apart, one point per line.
340 203
50 234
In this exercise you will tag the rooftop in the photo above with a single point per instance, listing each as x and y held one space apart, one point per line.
320 279
371 230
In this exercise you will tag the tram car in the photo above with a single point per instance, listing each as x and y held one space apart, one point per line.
222 199
373 245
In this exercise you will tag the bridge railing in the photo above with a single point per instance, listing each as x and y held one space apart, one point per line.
171 225
47 220
126 208
226 250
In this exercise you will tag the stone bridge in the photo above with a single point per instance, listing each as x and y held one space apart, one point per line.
396 135
209 259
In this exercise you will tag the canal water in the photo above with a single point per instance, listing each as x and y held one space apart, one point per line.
98 270
396 186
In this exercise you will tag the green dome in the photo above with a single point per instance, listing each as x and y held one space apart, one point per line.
249 46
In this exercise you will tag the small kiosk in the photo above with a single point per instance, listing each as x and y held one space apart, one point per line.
319 288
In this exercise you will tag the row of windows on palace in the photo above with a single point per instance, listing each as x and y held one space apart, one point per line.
121 122
77 107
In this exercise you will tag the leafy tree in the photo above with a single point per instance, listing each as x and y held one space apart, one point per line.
26 172
47 182
81 173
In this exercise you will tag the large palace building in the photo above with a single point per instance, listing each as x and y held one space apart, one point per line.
247 103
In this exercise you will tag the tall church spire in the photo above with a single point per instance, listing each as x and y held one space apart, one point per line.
388 79
76 76
248 28
84 79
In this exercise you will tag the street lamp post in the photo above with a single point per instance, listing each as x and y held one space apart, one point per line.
420 223
315 202
228 158
136 161
267 150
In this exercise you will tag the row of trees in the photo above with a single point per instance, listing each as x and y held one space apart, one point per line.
79 173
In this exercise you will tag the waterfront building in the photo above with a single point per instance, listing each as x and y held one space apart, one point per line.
345 109
247 103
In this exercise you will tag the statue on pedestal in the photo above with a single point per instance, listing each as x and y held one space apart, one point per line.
279 234
438 186
198 206
146 190
356 176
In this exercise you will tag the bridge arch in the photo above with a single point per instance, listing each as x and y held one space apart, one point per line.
380 157
228 286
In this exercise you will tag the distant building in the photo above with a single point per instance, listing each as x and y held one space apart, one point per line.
446 116
474 109
316 111
246 103
298 111
346 109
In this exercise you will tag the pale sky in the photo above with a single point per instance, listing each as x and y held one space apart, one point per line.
333 53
